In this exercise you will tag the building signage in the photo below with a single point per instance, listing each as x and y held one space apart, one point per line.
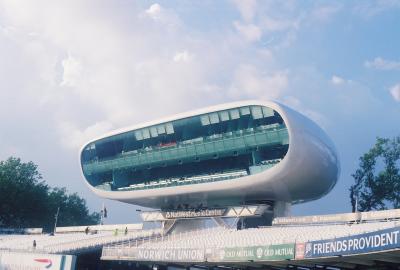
194 213
362 243
35 261
170 255
258 253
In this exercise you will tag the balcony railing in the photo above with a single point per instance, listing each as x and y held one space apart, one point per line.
198 179
185 181
197 148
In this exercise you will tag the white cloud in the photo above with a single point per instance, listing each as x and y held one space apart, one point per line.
275 25
368 9
72 70
336 80
246 8
154 11
380 63
299 106
395 92
279 21
276 19
74 138
324 13
250 83
162 15
250 32
183 56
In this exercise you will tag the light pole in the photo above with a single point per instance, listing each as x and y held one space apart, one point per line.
103 214
356 193
55 222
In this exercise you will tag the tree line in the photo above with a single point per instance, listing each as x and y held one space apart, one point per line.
27 201
377 180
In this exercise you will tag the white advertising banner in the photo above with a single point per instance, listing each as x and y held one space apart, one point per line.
346 217
171 255
151 254
193 213
35 261
382 214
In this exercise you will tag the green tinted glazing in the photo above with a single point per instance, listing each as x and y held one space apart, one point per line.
211 147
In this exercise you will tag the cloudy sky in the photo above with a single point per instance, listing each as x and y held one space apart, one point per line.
73 69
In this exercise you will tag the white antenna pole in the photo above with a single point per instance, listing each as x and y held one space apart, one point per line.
102 214
356 210
56 219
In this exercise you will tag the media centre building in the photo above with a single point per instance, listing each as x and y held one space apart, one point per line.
242 153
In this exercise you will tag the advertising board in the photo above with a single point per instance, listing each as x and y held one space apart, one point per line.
381 214
338 218
35 261
240 254
257 253
157 255
334 218
355 244
193 213
172 255
300 250
21 230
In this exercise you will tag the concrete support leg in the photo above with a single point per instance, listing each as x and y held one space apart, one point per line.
167 225
282 209
220 222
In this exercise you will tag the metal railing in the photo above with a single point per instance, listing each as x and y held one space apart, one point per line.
220 144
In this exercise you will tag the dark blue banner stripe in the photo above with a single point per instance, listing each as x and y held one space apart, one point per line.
355 244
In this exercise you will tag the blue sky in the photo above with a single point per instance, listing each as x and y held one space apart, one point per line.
72 70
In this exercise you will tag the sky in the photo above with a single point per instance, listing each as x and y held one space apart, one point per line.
72 70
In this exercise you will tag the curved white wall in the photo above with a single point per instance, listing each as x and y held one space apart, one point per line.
309 170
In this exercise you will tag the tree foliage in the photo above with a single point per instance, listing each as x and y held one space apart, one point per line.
27 201
377 180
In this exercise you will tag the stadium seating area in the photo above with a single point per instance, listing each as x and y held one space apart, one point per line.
184 180
68 243
208 239
222 238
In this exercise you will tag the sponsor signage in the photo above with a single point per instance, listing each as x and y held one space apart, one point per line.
316 219
22 230
33 261
340 218
382 214
356 244
258 253
168 255
193 213
300 250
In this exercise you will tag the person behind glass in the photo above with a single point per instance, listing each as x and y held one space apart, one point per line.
126 230
34 244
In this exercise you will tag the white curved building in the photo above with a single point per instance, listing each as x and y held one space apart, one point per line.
250 152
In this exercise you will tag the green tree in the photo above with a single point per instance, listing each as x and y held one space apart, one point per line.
377 180
73 209
27 201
